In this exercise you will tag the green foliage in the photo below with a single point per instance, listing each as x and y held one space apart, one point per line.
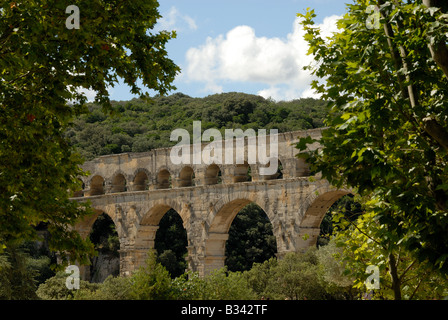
296 276
55 288
366 242
300 276
22 269
220 285
45 66
17 277
171 243
387 135
151 282
113 288
250 239
140 126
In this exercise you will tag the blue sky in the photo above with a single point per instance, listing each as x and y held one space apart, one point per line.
251 46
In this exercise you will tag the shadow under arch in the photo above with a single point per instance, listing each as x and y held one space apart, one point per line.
163 223
96 186
218 231
213 174
163 179
86 226
105 238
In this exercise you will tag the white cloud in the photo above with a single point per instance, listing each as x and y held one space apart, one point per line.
174 20
241 56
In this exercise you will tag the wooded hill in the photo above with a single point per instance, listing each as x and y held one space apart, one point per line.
138 125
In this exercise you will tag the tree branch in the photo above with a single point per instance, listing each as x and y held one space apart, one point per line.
439 50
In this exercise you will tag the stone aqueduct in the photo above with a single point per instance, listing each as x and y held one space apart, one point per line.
137 189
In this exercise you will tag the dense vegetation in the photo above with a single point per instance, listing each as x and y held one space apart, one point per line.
46 69
387 136
297 276
141 125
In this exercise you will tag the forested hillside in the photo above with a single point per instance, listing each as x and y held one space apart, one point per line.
139 126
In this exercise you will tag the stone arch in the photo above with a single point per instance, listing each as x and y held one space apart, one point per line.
163 179
186 177
148 225
241 172
118 182
141 179
276 175
219 224
85 225
213 174
222 206
107 262
315 207
96 185
318 203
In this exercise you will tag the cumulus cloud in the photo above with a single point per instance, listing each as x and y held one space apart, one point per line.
242 56
175 20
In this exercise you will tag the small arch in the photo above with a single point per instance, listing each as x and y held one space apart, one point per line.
96 185
277 175
242 173
163 180
213 175
141 181
186 177
118 183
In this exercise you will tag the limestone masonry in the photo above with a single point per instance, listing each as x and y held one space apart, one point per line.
137 189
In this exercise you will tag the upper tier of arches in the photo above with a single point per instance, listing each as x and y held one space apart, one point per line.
154 170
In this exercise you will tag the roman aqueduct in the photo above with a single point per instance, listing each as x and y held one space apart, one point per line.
136 189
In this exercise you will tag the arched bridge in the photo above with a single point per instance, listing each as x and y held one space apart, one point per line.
137 189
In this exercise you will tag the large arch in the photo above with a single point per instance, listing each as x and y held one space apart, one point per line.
105 238
85 226
220 221
171 243
251 239
316 206
148 226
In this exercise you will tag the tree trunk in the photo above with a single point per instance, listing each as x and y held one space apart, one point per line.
439 51
394 277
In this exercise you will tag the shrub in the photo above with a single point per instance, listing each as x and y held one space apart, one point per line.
56 289
151 282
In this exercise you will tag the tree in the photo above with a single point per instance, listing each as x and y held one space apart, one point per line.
366 242
45 68
171 243
387 129
152 281
250 239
